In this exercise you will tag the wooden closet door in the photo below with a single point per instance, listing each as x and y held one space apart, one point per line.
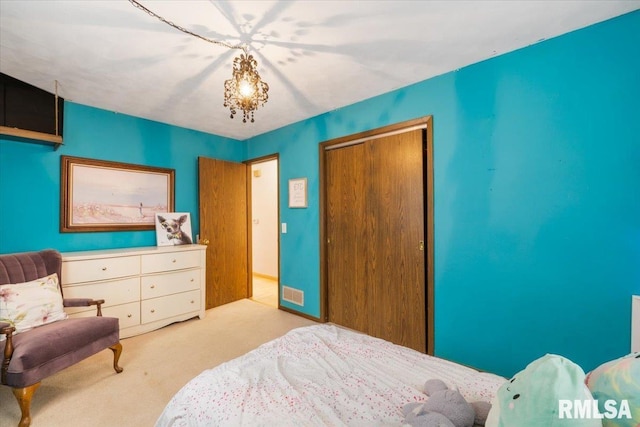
375 233
346 237
395 228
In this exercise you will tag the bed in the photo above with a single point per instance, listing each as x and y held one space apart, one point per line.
320 375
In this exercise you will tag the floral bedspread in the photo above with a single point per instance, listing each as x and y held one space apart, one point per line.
319 375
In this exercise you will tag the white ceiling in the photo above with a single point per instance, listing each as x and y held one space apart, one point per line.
315 55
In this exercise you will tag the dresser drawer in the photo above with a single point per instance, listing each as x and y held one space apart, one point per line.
127 314
99 269
169 306
170 283
154 263
112 292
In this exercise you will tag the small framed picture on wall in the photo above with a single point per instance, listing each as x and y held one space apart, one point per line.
298 193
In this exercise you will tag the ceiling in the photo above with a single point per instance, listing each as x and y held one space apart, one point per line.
315 55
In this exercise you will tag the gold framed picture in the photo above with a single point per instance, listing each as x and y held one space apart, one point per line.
100 195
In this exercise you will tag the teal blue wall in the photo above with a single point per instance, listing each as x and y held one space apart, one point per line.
537 197
30 175
537 193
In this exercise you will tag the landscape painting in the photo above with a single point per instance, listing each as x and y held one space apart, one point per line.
99 195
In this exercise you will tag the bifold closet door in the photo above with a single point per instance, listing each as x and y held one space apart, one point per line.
395 217
375 238
346 237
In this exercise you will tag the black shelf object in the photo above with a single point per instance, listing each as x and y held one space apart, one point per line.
30 114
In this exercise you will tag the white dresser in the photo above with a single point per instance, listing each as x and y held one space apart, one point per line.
146 288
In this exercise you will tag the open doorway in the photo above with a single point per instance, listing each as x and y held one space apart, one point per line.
265 251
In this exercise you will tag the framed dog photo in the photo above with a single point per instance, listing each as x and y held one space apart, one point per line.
173 228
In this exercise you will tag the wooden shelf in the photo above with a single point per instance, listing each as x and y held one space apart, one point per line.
32 136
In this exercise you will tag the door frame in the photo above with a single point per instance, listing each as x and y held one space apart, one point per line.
428 189
250 163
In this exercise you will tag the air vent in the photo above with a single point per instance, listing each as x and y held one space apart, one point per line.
295 296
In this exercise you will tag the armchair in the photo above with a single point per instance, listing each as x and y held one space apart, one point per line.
35 354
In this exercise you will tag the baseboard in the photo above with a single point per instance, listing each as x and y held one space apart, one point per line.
298 313
265 276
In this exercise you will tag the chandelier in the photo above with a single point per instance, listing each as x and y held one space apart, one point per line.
245 90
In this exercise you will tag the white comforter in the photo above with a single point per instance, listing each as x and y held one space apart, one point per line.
319 375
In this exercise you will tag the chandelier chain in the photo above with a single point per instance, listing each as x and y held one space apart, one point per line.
245 90
184 30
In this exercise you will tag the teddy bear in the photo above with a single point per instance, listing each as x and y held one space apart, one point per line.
444 408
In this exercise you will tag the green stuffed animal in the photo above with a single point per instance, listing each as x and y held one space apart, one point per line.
543 395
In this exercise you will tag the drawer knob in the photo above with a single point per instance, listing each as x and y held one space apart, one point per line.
192 279
153 286
128 315
104 268
192 301
152 310
173 260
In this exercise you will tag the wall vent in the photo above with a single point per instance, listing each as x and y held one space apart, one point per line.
295 296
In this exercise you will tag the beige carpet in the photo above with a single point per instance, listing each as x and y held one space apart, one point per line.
265 291
156 365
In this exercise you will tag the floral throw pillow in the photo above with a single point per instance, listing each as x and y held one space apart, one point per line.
30 304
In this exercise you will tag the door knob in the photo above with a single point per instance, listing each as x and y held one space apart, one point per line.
204 241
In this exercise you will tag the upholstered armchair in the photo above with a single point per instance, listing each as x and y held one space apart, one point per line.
37 336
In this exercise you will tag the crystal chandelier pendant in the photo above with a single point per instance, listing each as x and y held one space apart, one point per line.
245 90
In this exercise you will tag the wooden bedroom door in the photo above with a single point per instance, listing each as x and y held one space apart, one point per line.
223 224
375 237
